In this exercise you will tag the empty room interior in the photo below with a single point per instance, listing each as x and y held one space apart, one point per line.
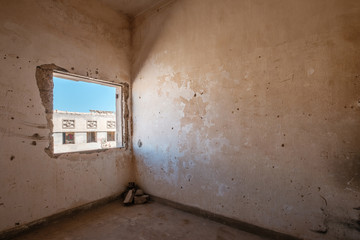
240 119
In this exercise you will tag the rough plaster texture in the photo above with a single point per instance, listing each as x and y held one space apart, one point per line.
85 38
250 109
131 7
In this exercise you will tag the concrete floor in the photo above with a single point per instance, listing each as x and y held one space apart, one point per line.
148 221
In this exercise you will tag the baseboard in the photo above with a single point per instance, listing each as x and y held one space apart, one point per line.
13 232
247 227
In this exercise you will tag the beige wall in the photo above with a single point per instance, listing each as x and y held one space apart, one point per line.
250 109
245 108
85 38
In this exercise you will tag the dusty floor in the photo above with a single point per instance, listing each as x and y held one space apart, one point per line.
148 221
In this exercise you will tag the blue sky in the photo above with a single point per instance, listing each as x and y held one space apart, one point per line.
77 96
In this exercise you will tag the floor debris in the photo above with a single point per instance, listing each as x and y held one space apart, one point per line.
134 195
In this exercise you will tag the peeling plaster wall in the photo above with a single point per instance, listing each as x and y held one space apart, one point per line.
83 37
251 109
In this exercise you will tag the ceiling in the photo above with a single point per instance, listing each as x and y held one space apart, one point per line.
131 7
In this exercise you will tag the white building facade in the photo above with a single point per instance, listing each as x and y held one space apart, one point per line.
76 131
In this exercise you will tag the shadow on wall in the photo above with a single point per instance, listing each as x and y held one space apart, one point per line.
148 36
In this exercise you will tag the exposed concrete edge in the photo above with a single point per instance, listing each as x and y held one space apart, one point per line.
247 227
13 232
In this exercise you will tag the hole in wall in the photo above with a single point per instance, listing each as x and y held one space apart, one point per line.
44 78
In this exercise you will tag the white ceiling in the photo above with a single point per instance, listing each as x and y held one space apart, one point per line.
131 7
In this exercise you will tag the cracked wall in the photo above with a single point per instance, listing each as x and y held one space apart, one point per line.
250 109
85 38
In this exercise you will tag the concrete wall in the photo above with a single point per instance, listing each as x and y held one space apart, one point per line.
251 109
85 38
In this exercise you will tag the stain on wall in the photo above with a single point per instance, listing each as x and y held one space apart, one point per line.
249 109
88 39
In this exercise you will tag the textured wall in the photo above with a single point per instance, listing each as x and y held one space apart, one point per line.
251 109
85 38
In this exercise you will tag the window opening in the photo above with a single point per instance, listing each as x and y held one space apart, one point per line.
68 124
92 124
91 137
110 136
111 124
68 138
81 104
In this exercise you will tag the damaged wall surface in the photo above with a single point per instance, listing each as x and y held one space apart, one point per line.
250 109
85 38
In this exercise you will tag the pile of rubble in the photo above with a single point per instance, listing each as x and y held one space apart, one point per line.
134 195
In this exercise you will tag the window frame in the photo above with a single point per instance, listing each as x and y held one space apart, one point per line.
89 137
112 133
64 136
120 128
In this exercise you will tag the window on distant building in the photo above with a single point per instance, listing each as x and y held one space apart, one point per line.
92 124
111 124
68 138
83 103
68 124
110 136
91 137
